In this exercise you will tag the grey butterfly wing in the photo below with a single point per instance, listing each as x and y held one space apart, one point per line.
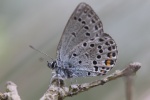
84 47
93 57
82 25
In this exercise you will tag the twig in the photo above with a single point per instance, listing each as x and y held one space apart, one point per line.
2 97
59 92
11 92
128 87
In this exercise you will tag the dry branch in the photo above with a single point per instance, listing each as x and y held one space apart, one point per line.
11 92
57 90
59 93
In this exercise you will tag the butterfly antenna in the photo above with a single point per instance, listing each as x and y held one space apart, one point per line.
40 51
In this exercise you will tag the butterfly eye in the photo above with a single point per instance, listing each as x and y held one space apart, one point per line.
52 65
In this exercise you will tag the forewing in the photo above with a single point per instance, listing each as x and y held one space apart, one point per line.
83 25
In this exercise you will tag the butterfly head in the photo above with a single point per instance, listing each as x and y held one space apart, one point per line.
52 64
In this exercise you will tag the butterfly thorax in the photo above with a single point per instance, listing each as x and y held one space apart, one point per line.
61 70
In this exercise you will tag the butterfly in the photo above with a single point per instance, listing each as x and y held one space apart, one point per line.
84 49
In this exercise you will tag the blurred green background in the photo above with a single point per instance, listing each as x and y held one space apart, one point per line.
41 22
